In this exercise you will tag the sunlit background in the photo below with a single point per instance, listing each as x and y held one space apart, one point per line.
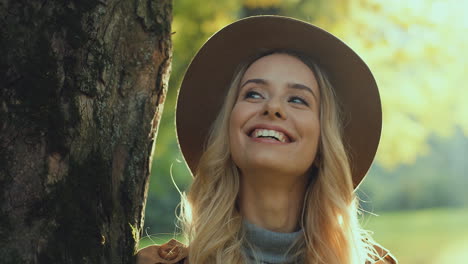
417 189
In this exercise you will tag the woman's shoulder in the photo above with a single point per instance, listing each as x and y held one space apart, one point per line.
172 252
385 256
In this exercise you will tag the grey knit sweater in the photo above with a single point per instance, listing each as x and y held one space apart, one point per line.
268 247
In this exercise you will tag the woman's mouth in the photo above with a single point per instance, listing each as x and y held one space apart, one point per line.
269 133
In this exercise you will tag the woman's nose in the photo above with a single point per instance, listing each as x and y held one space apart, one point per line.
274 109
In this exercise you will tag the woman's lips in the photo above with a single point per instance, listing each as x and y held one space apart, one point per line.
269 134
267 140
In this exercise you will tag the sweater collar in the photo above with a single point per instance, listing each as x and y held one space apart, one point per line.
267 246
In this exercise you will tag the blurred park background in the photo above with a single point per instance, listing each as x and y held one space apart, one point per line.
416 194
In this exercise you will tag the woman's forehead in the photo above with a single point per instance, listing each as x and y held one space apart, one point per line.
280 68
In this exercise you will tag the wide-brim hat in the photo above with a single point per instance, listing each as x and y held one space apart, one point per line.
208 76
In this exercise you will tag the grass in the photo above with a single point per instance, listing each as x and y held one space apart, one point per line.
432 236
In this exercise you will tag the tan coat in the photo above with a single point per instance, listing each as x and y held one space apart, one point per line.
174 252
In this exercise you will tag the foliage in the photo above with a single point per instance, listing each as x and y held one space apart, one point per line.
437 179
414 49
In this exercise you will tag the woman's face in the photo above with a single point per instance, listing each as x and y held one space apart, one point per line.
274 124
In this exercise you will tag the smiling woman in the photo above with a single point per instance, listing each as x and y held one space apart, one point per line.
274 176
268 105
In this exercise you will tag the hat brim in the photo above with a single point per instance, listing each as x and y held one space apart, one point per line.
207 79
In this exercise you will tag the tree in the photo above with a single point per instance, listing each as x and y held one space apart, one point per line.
82 88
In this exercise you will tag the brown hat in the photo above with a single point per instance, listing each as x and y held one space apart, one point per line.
207 79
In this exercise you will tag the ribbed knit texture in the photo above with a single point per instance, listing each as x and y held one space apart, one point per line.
268 247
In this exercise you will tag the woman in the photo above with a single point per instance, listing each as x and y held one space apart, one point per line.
274 177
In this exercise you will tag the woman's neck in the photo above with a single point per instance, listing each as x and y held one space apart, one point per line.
273 202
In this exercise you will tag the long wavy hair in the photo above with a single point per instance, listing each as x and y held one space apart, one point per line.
331 232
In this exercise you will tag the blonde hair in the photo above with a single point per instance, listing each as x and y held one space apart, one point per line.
331 232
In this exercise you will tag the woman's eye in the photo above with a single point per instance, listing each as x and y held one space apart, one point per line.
253 95
298 100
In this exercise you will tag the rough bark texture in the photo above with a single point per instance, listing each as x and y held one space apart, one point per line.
82 88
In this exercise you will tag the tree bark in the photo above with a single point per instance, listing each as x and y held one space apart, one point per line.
81 92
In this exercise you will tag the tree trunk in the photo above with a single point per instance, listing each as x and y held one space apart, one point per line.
81 91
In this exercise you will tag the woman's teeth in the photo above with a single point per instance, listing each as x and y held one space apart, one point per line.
270 133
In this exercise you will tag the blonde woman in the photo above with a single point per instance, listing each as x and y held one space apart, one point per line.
279 121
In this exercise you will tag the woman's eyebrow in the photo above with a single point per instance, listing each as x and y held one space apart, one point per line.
257 81
302 87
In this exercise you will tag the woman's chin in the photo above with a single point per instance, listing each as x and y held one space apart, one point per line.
269 165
